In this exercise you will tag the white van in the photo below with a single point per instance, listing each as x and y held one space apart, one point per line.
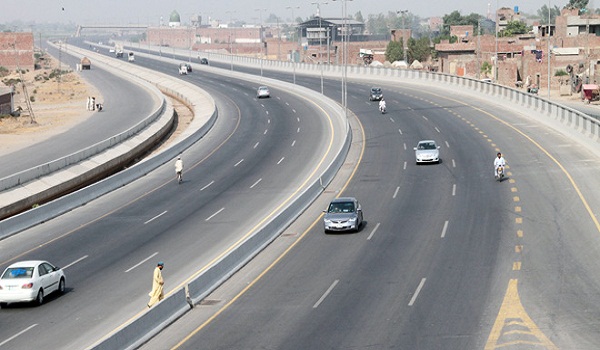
131 57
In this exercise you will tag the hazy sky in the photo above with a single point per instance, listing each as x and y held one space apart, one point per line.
150 11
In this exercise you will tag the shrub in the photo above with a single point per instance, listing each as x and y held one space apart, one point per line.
560 73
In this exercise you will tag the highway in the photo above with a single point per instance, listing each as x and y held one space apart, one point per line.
119 115
258 154
448 258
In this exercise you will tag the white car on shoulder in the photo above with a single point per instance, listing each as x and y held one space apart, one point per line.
28 281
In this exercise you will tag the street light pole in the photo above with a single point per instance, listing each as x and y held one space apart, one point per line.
230 37
496 57
345 56
549 49
320 40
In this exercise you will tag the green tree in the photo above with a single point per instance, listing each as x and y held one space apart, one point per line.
394 51
515 27
359 17
577 4
486 68
418 49
542 14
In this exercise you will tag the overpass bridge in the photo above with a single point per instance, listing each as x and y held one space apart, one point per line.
112 27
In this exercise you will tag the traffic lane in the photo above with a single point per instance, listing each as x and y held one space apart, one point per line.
304 281
555 250
122 232
126 104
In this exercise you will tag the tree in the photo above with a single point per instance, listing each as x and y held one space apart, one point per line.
577 4
394 51
542 13
486 68
418 49
359 17
515 27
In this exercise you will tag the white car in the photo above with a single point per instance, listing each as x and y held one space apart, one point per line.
263 91
427 151
28 281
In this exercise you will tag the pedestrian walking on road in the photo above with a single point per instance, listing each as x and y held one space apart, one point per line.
157 293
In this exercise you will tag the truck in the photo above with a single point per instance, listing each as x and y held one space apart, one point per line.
118 51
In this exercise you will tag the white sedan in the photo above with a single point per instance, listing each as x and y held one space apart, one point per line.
263 91
427 151
28 281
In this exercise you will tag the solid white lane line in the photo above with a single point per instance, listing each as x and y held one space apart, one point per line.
447 144
453 163
293 143
326 294
256 183
396 192
405 165
438 130
281 160
256 145
156 217
444 229
141 262
18 334
454 190
215 214
75 262
412 300
373 232
205 187
238 163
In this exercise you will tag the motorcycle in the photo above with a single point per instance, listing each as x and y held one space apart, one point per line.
500 173
382 109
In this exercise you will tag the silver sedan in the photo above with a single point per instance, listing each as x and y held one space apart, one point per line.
427 151
343 214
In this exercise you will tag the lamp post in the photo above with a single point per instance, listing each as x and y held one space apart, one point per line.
293 19
496 56
260 34
345 57
320 40
549 49
230 36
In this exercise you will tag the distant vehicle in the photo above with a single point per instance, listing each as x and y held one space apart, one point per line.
131 57
182 70
343 214
203 61
487 80
427 151
111 50
119 54
376 94
28 281
185 68
263 91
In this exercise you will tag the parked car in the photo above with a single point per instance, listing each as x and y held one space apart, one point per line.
28 281
427 151
263 91
203 61
343 214
376 94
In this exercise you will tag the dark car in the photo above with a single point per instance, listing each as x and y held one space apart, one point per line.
203 61
376 94
343 214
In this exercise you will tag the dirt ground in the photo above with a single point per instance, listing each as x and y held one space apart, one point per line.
57 106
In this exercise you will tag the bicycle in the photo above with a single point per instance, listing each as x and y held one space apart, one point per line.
179 177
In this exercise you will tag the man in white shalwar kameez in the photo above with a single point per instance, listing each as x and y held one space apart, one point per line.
157 294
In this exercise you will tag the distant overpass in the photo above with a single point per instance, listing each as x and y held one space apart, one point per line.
108 27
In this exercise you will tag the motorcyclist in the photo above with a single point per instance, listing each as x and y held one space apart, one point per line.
382 107
179 169
498 162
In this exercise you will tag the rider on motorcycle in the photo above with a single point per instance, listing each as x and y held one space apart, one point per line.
382 106
498 162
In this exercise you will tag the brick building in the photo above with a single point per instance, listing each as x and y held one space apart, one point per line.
16 49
